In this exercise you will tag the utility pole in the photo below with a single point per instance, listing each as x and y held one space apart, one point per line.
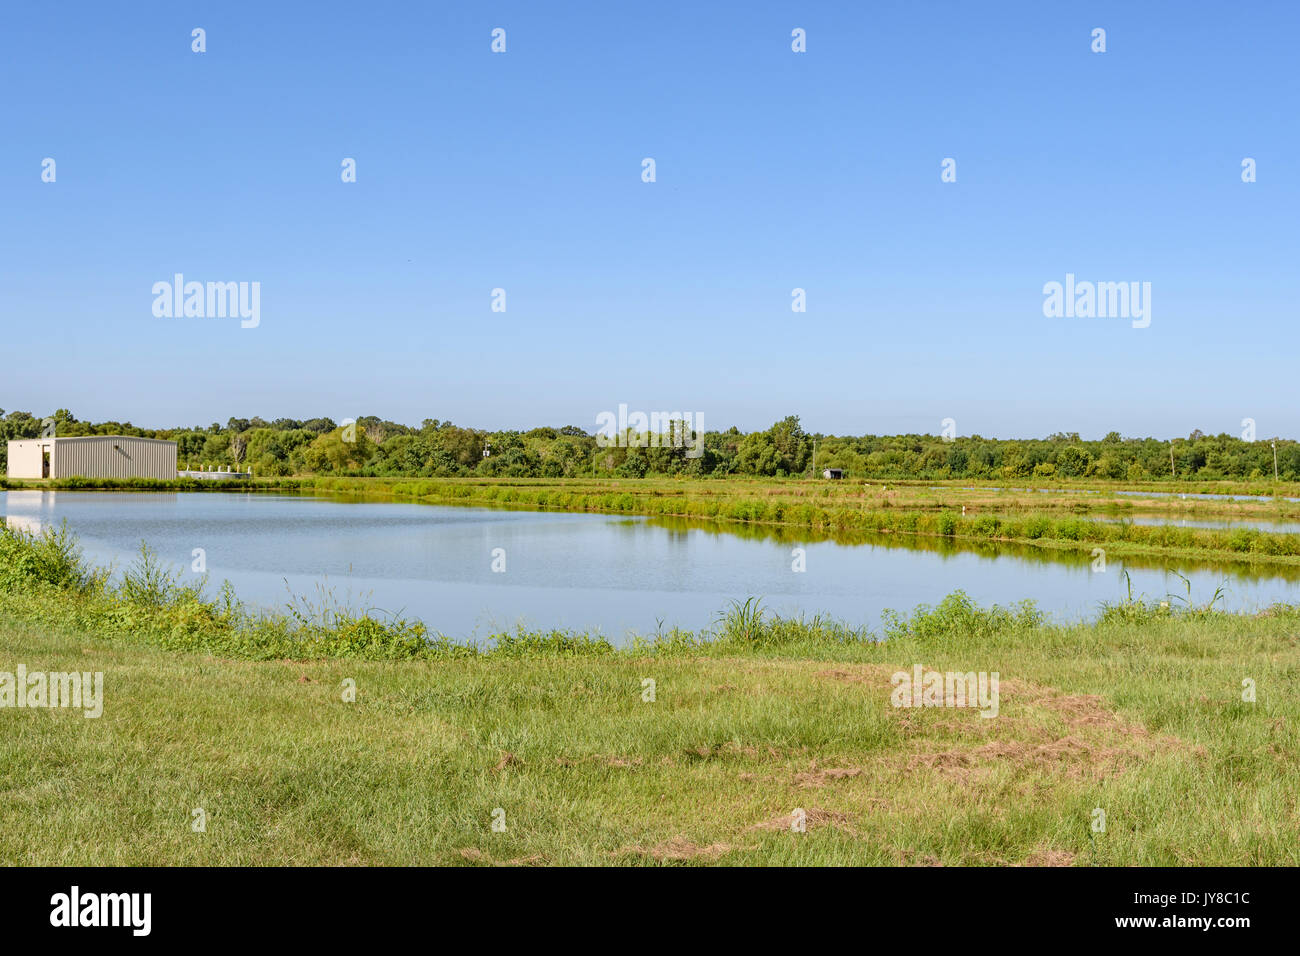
1171 458
814 470
1274 444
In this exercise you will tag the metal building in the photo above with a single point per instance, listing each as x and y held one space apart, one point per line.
94 456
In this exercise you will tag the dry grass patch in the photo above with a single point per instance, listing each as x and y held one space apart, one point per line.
1079 738
507 760
1072 735
813 817
677 849
1044 857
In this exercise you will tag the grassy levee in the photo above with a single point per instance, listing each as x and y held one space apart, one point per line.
874 509
1140 715
1061 491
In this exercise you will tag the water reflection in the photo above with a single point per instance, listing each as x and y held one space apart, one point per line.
594 572
951 547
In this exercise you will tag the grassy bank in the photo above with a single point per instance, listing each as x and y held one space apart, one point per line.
1080 496
822 508
1139 715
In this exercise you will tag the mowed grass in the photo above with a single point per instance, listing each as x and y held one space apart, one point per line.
1142 720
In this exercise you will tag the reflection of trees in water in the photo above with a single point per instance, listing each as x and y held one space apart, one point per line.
952 547
678 530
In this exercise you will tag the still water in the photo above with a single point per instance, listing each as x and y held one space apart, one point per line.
1190 496
1226 524
615 575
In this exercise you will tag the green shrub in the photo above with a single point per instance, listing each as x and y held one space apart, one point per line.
1241 539
958 616
51 557
1038 527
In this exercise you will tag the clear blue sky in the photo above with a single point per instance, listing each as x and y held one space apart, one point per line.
775 170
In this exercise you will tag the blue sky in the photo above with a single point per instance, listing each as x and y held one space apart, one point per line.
775 170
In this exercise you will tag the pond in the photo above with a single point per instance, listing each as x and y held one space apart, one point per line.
615 575
1226 524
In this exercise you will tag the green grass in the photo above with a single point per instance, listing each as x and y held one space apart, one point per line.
1139 714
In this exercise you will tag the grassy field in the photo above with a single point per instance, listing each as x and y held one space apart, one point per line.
1144 721
1140 715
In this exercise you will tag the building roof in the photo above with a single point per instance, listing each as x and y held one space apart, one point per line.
161 441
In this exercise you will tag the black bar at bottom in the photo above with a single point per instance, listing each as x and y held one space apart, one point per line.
302 906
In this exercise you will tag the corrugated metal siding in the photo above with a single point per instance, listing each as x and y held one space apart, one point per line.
113 456
25 457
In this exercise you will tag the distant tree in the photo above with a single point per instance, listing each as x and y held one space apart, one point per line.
320 425
1073 461
331 452
216 450
782 449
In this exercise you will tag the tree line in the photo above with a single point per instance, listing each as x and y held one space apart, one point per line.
371 446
